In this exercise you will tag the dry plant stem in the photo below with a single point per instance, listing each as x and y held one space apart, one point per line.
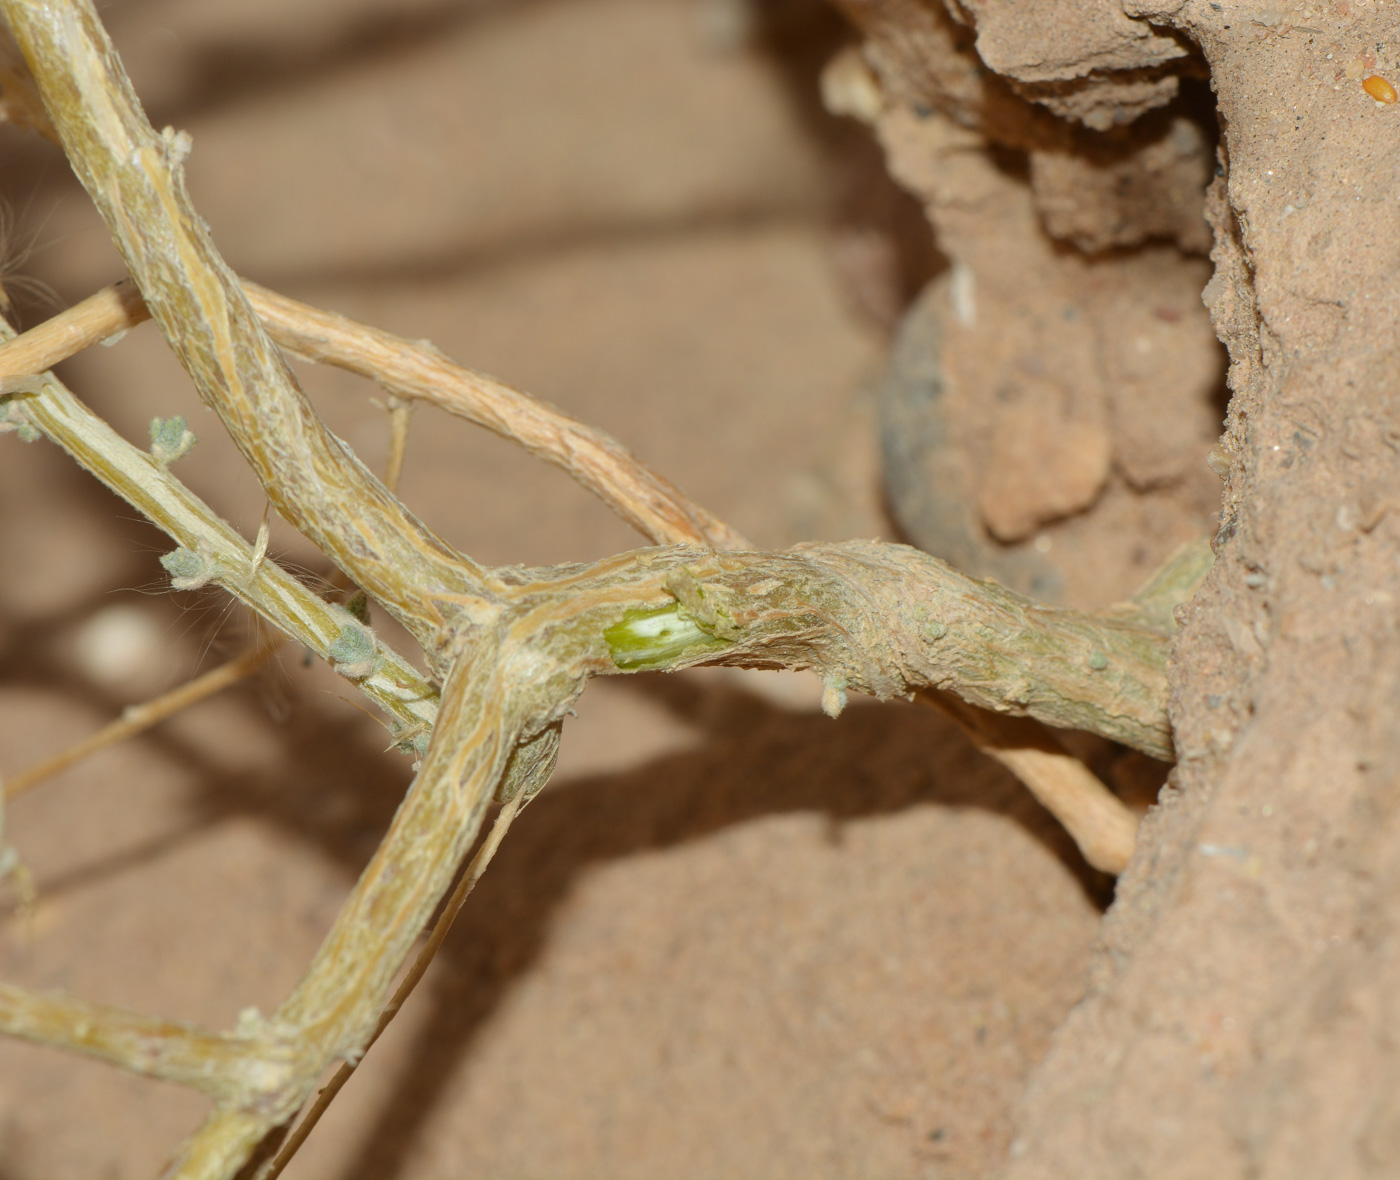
871 617
847 609
479 863
229 1068
135 178
335 1009
400 413
969 589
875 618
1103 827
262 585
100 316
1115 630
652 505
19 101
1100 824
138 718
412 369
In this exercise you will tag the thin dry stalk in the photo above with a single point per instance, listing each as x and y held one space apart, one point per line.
228 1067
139 718
218 555
1100 823
135 177
413 369
400 414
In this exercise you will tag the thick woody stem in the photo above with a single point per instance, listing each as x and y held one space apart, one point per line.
335 1009
882 619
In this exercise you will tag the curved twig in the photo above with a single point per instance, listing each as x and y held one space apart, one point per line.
413 369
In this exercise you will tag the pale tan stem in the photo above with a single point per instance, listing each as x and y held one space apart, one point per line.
1100 823
135 177
400 414
413 369
260 583
230 1068
520 644
20 103
336 1007
881 619
479 863
101 316
138 718
1103 829
1013 638
652 505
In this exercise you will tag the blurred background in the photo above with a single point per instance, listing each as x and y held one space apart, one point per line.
734 937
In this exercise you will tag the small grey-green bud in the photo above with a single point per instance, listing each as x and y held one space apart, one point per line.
188 570
352 653
170 438
13 417
415 742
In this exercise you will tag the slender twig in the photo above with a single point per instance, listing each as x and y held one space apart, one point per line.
138 718
400 413
229 1067
414 370
1100 823
104 315
225 557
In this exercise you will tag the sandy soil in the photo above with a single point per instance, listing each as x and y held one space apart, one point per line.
733 937
1240 1014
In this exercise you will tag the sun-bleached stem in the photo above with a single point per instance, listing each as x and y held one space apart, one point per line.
229 1067
215 553
139 718
335 1009
326 1095
1101 824
413 369
515 646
